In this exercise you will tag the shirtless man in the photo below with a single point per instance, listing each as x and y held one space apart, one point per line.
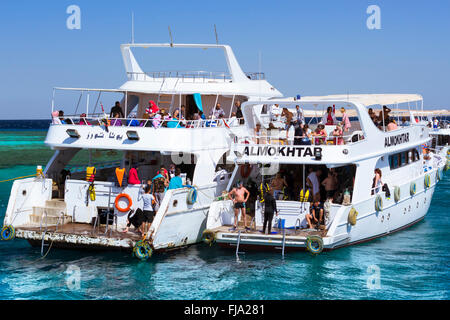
277 185
240 198
330 183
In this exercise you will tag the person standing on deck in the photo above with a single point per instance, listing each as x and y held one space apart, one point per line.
159 188
239 114
313 183
345 120
116 109
241 195
217 111
270 207
149 213
277 184
289 116
176 182
329 119
299 118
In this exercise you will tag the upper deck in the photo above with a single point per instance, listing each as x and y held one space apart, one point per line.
364 139
231 82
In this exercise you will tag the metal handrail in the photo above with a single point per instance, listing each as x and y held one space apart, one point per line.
156 123
268 140
190 75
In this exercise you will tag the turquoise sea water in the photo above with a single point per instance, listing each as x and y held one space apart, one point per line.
412 264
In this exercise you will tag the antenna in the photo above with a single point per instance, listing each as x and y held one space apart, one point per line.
171 39
259 70
132 26
215 31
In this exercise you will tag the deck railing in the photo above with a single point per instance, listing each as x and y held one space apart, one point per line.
355 137
190 76
152 123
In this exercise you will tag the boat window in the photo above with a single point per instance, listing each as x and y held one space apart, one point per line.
403 158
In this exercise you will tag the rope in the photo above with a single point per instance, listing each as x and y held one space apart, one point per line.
31 175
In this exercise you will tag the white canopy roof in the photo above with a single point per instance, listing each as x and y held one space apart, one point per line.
366 99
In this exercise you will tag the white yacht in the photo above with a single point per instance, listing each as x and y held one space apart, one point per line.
61 208
356 210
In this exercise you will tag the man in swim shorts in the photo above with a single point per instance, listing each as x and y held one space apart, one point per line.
241 195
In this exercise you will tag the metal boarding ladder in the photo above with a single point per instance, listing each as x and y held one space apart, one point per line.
45 230
237 247
97 222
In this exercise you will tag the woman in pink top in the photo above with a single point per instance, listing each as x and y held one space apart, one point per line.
83 121
345 120
338 133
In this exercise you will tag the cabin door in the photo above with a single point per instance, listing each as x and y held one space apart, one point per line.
191 107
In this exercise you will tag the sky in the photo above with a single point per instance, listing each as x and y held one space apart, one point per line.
306 47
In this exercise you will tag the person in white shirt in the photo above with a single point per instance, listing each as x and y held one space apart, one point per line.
300 118
275 112
149 213
314 184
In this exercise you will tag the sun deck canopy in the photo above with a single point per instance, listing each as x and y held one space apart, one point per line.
366 99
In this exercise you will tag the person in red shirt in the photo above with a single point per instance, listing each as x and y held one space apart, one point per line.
152 107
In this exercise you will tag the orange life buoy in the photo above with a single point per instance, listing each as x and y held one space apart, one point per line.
246 169
120 196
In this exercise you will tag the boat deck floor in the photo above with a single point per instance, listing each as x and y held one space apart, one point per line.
83 229
275 231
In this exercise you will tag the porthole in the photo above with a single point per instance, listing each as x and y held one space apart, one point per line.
24 192
388 216
417 205
382 218
409 208
175 203
425 201
404 211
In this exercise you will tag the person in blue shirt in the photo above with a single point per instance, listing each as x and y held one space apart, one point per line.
176 182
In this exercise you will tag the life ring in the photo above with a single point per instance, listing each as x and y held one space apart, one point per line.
412 189
427 181
352 215
142 250
246 170
120 196
378 203
209 237
396 193
192 195
314 244
8 233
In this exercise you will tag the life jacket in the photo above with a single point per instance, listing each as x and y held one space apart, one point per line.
133 177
